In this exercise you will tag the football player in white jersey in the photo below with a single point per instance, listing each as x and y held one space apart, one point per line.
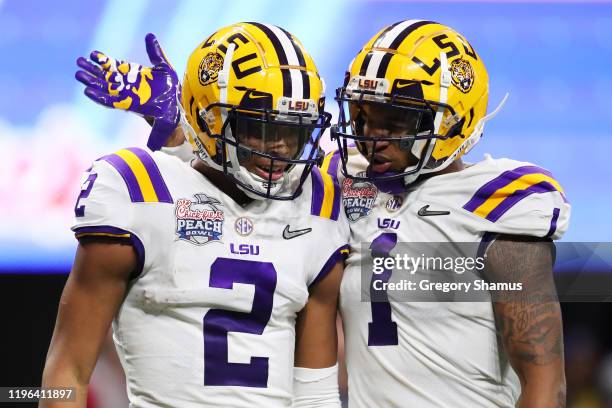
219 275
413 102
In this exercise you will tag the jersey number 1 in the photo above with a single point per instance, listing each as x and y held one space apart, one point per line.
382 331
218 323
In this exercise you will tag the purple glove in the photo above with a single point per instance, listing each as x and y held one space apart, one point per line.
150 92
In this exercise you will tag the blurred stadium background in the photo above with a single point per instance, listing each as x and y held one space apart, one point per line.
554 57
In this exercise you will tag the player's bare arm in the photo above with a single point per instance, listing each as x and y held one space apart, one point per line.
92 295
316 347
530 323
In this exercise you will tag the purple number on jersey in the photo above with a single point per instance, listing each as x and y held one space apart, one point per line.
79 210
224 273
382 331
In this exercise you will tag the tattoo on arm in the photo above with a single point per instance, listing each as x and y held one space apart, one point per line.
529 321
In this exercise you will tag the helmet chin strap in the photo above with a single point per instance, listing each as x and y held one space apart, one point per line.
471 141
419 145
223 84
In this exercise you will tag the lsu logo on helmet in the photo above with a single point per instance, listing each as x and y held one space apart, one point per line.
462 74
209 68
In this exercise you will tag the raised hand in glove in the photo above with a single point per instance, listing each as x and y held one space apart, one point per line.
152 92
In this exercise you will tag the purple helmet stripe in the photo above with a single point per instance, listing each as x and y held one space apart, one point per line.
161 190
507 177
128 176
518 195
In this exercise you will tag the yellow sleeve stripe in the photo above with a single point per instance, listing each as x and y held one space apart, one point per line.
325 188
522 183
142 177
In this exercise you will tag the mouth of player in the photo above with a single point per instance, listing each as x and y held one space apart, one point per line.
380 163
264 171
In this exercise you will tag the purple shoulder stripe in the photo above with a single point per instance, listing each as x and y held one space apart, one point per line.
318 191
333 259
500 181
128 176
333 172
110 231
161 190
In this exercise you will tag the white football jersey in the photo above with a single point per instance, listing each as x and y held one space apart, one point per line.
438 354
209 317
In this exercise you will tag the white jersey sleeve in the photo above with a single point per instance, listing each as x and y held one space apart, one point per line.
518 198
114 197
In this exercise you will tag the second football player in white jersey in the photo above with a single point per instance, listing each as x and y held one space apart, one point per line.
414 101
214 273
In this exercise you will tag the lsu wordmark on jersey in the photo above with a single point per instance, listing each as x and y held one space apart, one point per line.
209 317
437 354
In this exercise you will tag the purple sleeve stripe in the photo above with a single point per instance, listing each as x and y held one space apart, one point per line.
553 223
318 191
507 177
114 232
128 176
485 242
333 172
518 195
339 254
161 190
101 230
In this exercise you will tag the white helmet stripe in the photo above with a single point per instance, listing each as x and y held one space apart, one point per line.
297 85
385 41
388 38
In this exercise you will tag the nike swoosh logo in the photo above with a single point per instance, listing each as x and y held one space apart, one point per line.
296 233
253 96
400 85
424 212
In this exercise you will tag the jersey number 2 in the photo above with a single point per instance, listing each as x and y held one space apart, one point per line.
218 323
382 331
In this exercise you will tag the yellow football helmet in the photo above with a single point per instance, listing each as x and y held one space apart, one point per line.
253 98
434 81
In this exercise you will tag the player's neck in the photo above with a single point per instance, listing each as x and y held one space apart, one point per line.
222 182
